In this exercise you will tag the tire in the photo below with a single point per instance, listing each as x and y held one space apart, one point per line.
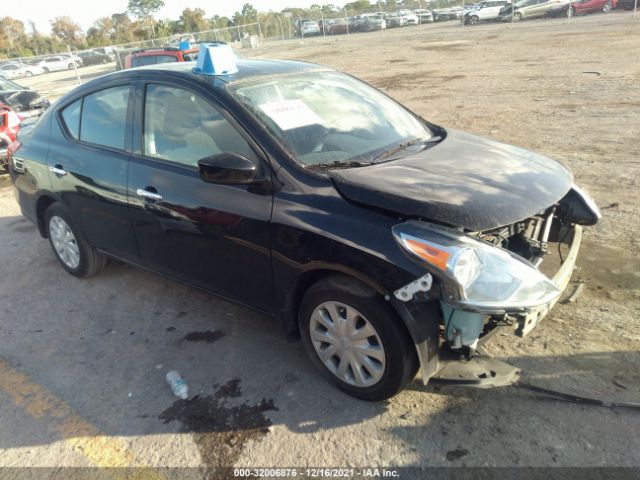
571 12
104 60
379 377
607 7
70 66
89 260
28 74
517 17
45 69
474 20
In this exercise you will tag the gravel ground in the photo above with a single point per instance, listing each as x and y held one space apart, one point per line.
82 362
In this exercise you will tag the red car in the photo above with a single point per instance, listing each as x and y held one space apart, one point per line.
9 127
583 6
153 56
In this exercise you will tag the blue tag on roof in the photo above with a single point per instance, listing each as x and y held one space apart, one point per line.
217 59
185 45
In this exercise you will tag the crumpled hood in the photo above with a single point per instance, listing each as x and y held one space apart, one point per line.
463 181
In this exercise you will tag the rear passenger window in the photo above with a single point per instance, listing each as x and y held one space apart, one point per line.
104 117
183 127
71 117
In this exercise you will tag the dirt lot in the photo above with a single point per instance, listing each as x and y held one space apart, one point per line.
82 363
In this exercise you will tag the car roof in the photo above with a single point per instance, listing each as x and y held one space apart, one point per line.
247 70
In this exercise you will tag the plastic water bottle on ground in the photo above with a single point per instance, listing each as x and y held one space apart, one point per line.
178 385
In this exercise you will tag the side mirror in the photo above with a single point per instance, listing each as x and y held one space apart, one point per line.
228 169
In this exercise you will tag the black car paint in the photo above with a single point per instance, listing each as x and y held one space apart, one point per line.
22 99
462 181
261 245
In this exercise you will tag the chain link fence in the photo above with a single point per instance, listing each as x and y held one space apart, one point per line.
85 64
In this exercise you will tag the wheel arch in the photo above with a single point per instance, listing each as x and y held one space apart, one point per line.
44 202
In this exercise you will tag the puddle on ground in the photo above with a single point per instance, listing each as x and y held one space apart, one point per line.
208 336
219 430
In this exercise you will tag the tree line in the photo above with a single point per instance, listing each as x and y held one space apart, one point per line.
138 23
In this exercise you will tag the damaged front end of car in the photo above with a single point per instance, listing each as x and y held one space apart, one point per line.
509 276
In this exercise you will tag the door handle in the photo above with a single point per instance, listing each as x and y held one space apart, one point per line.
149 195
58 170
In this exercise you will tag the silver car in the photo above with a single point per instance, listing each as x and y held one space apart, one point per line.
10 71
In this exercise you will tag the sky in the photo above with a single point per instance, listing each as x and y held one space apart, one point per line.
85 12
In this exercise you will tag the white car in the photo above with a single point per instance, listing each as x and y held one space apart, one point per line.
485 11
58 63
310 28
409 17
424 15
10 71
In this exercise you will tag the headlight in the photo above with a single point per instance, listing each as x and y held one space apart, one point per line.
488 277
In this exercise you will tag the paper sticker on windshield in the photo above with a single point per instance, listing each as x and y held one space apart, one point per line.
290 114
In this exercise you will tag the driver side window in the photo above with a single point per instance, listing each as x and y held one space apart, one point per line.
182 127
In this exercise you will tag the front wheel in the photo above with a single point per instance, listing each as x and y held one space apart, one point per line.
71 66
517 17
571 12
474 20
607 7
74 254
356 339
29 74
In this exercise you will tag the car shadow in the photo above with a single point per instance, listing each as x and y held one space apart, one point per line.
102 346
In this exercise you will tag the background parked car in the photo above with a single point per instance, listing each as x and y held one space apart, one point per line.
582 6
337 26
424 15
153 56
58 63
485 11
395 20
372 22
309 28
526 9
444 14
21 99
626 4
410 18
94 58
19 70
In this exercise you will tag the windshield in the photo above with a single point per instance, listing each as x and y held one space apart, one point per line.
327 118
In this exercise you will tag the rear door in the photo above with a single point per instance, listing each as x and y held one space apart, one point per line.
213 236
88 163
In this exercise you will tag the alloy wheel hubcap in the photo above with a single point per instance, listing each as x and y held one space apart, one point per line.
347 344
64 242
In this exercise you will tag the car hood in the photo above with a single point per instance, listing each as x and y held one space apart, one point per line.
463 181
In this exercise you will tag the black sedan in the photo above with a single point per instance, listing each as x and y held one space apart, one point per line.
94 58
386 242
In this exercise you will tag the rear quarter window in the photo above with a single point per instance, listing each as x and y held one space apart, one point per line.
71 118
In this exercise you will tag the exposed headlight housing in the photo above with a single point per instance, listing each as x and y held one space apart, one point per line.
488 278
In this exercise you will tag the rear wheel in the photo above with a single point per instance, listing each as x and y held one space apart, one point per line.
74 254
28 74
45 69
517 17
70 66
474 20
571 12
607 7
356 339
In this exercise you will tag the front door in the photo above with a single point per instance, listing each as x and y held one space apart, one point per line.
214 236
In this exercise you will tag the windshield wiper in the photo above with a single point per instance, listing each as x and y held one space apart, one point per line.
404 145
338 164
